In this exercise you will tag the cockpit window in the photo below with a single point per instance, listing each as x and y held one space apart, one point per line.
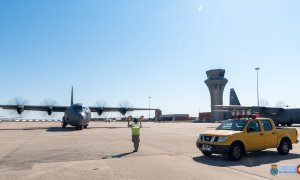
85 108
78 108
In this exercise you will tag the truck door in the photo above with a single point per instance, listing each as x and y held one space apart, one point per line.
254 139
269 133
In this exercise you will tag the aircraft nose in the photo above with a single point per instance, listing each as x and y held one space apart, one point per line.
82 115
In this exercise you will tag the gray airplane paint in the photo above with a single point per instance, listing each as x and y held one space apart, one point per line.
280 115
233 100
77 115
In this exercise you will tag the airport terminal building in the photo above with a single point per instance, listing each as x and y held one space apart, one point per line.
175 117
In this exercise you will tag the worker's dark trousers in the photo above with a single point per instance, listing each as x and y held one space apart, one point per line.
136 141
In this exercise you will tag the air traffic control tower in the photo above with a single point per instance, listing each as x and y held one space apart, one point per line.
216 83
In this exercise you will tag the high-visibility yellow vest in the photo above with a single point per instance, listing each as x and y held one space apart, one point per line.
135 129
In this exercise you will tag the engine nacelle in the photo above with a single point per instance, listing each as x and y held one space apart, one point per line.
100 111
20 109
49 110
123 111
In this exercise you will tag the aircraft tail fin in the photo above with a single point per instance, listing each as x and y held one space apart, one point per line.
234 100
72 96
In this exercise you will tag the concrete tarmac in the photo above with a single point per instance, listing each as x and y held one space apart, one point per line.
43 150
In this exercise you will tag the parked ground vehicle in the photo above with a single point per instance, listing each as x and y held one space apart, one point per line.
234 137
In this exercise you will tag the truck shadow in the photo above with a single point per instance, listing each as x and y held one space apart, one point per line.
250 159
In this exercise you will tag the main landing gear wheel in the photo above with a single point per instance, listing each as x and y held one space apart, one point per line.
64 124
79 127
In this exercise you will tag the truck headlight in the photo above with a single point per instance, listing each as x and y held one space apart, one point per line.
222 138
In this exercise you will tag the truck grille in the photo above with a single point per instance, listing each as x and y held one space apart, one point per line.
207 138
216 139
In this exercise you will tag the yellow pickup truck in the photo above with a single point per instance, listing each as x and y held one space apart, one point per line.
235 137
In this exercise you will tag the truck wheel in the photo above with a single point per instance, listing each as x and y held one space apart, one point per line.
85 126
284 147
235 152
282 124
289 124
206 153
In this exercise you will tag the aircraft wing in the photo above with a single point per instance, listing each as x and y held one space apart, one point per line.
253 109
231 108
115 109
21 108
122 110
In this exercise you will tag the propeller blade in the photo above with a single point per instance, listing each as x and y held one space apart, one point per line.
20 102
50 103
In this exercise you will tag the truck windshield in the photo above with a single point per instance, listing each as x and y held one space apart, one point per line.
233 124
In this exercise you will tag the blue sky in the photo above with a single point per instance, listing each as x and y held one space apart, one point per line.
118 51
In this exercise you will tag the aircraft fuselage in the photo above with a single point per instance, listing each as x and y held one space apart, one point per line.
77 115
288 116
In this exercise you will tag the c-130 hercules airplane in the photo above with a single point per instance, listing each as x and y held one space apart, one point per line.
280 115
77 115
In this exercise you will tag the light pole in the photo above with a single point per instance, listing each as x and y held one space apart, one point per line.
257 69
149 106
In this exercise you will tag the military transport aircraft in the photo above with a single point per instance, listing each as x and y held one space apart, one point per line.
77 115
280 115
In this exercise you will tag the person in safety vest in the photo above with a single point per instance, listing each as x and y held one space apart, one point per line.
135 131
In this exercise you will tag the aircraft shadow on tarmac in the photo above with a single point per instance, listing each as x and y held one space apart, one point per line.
60 129
50 129
28 128
251 159
57 129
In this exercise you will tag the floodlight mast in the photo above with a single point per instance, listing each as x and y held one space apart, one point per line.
257 69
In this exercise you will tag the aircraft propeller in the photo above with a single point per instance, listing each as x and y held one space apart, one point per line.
123 106
49 103
20 103
101 105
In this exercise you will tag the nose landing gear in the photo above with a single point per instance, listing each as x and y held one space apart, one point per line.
79 127
63 123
